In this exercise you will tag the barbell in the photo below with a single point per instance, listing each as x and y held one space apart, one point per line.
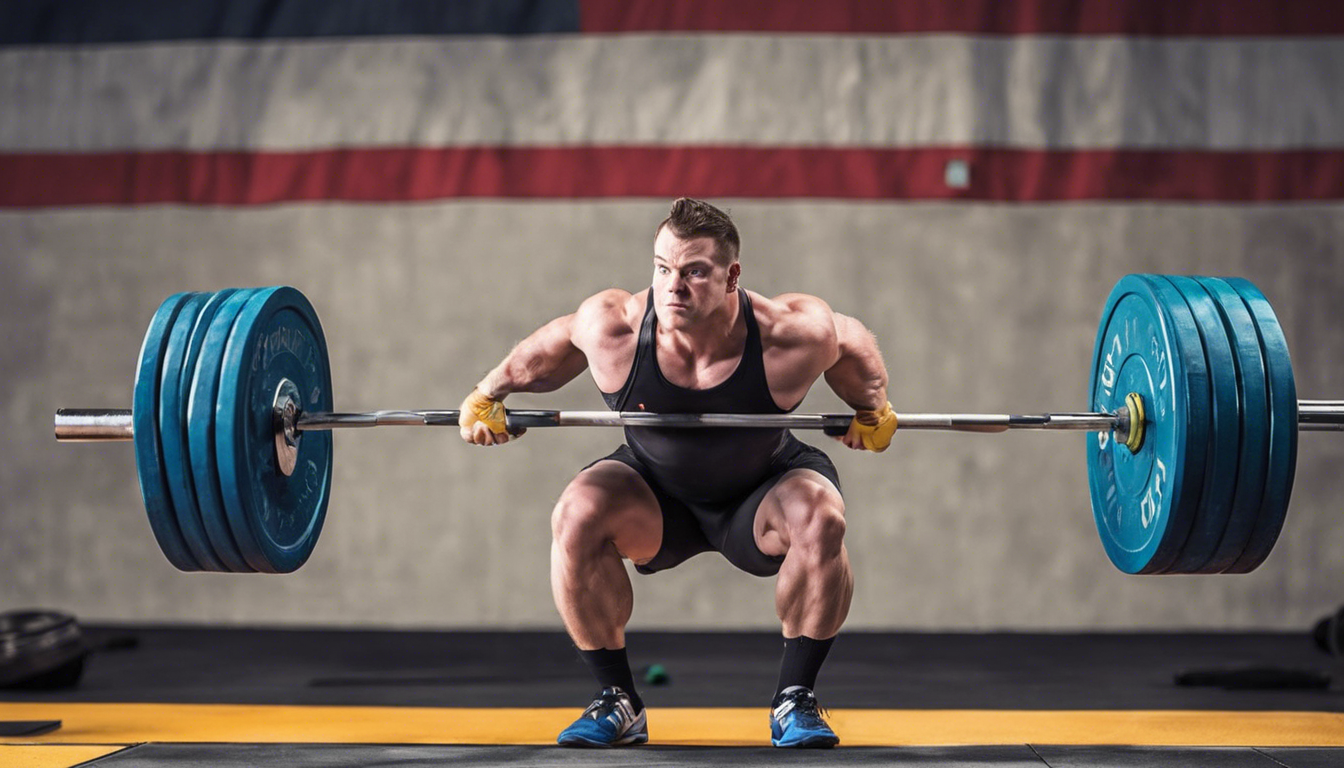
1191 448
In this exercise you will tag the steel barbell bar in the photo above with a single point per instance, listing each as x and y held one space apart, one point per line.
112 424
87 425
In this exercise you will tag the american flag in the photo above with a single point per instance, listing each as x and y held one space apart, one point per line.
250 102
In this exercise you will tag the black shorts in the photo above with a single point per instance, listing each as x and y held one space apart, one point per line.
726 527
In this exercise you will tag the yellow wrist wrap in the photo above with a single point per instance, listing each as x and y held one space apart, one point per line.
874 428
487 411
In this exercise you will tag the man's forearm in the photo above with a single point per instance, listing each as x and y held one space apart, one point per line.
859 385
497 384
859 376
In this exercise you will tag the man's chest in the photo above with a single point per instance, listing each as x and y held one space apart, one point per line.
691 372
613 368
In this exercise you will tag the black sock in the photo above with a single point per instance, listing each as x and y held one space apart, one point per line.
612 668
803 657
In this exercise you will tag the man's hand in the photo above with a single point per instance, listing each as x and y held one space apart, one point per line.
871 430
482 420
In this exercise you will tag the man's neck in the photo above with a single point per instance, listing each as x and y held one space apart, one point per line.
715 338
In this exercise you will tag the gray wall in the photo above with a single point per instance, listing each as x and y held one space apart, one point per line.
977 307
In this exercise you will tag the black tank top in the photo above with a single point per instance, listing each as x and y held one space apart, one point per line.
706 465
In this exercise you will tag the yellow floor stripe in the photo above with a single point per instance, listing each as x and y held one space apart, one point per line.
52 755
131 723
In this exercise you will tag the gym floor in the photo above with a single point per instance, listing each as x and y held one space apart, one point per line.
240 697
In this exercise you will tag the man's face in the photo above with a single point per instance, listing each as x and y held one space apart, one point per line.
689 281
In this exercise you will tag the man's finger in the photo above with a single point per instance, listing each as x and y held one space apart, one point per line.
480 434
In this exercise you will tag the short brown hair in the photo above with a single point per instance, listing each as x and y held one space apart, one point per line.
692 218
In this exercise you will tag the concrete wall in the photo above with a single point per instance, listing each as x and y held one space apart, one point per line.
977 307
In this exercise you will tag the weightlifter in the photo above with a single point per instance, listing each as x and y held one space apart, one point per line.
696 342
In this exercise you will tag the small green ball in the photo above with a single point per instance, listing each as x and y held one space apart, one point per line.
656 674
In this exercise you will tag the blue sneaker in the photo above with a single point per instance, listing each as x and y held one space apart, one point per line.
610 721
795 720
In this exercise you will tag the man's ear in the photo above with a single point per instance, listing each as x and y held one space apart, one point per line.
734 271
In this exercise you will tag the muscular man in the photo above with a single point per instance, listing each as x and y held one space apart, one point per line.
695 342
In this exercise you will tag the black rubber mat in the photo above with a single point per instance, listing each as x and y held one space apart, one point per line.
1164 757
1010 756
541 669
1306 757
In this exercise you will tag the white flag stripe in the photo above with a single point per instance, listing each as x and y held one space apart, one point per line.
840 91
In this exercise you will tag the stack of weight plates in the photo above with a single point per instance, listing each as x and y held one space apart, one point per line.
1208 490
205 391
40 649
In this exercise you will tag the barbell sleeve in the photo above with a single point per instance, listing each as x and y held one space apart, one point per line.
1320 415
94 425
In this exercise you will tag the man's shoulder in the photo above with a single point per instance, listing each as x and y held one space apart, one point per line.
612 312
790 319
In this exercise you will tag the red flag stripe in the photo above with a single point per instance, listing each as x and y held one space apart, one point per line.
408 174
1159 18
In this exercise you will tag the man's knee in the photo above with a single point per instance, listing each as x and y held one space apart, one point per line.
581 514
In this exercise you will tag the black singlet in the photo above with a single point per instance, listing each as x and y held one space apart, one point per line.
703 465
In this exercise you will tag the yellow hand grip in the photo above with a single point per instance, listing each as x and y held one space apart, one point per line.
874 428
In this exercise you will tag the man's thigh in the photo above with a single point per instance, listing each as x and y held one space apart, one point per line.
681 537
737 532
613 501
798 494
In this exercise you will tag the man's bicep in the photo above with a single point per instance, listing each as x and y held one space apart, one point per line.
800 346
603 331
542 362
823 328
557 337
548 359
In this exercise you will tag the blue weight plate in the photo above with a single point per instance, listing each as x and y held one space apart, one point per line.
211 515
1145 502
275 518
172 409
186 342
148 451
1282 429
1220 476
1253 460
201 424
